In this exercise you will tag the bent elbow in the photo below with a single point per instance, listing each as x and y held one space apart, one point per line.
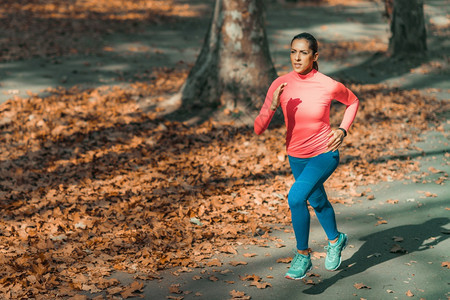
257 126
258 131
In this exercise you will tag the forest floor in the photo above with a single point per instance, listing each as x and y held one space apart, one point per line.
104 195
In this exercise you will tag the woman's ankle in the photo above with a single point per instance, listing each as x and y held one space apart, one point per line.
303 252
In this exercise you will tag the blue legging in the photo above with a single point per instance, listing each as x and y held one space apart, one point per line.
310 174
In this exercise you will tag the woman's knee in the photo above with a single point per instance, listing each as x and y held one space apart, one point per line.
296 199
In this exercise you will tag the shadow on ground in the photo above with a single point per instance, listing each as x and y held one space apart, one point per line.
414 238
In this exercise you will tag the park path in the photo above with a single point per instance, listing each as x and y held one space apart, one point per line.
416 214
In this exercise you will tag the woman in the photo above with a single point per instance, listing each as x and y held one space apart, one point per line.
305 96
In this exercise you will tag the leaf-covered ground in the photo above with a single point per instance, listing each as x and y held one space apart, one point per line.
35 28
91 184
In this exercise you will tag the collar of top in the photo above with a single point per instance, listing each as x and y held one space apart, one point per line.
307 76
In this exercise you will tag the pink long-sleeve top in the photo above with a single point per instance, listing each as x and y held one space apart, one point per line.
305 102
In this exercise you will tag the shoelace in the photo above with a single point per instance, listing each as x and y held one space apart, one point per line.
332 251
296 261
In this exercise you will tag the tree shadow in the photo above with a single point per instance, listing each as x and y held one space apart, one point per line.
377 249
380 67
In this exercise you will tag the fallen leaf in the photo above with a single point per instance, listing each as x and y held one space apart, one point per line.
250 278
78 297
397 249
237 263
434 170
175 297
175 289
397 238
446 264
228 249
380 222
284 260
239 295
376 254
260 285
214 263
409 294
391 201
309 281
360 286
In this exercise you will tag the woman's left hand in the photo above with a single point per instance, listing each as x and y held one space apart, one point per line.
335 139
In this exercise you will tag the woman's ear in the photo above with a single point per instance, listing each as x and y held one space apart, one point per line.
316 56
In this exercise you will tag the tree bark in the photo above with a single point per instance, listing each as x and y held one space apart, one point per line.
388 8
234 68
408 28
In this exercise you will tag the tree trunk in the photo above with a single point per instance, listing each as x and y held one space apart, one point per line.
234 68
408 28
388 8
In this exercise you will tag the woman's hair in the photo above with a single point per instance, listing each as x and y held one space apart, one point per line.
313 44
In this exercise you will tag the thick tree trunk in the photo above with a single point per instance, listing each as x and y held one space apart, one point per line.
388 8
408 28
234 68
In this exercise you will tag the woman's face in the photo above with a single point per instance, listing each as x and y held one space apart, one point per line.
302 56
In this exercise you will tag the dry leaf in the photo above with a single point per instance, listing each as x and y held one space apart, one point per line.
175 289
409 294
78 297
381 222
397 249
239 295
434 170
175 297
309 281
391 201
214 263
250 278
228 249
285 260
446 264
397 238
361 286
260 285
237 263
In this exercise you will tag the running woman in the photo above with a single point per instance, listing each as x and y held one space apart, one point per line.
312 145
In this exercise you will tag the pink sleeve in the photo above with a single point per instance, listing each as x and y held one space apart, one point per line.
345 96
262 121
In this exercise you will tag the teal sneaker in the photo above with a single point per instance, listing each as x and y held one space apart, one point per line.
333 259
299 266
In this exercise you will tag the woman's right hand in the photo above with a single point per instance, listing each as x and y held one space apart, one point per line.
276 96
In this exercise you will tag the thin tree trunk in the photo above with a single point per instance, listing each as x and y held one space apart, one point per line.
408 28
234 68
